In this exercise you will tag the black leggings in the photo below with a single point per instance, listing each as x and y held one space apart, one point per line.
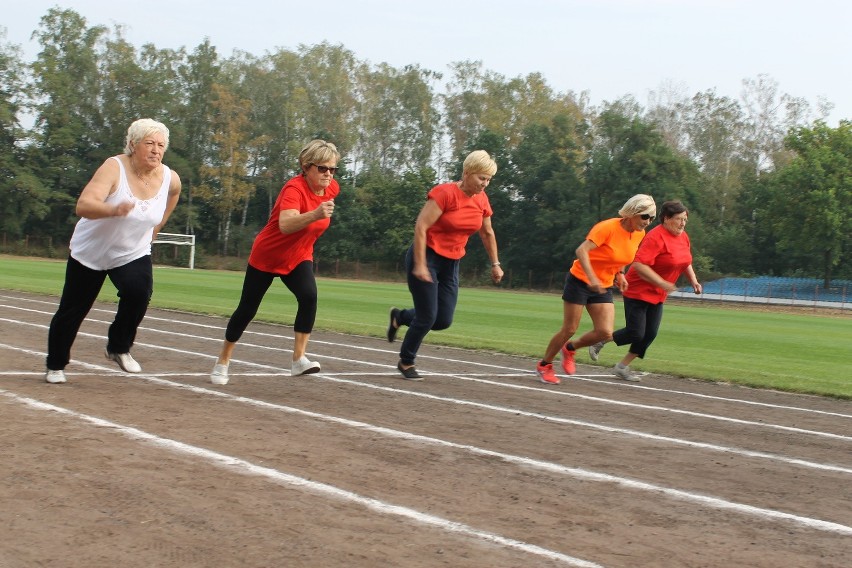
642 322
300 281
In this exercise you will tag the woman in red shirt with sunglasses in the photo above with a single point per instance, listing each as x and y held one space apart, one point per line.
284 249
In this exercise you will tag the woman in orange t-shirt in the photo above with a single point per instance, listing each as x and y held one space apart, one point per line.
601 258
452 213
284 249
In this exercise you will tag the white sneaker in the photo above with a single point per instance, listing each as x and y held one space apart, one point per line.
304 367
623 372
55 377
219 376
127 363
595 350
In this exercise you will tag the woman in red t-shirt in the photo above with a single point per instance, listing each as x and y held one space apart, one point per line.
662 257
607 249
452 213
284 249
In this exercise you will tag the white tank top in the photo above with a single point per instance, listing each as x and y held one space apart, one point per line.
110 242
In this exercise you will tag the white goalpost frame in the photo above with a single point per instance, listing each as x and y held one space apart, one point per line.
178 239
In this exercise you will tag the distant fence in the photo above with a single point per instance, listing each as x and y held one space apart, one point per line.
776 290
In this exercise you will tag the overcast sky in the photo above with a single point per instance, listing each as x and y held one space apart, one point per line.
607 48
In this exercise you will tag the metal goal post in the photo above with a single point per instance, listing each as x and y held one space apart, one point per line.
178 239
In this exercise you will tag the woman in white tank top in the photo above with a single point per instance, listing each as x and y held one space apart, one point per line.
122 208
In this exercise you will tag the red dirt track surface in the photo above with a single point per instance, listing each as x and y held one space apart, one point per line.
479 465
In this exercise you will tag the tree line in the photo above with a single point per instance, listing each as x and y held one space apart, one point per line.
766 180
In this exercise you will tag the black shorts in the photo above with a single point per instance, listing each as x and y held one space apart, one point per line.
577 292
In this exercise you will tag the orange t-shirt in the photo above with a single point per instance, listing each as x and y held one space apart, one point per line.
462 216
275 252
615 248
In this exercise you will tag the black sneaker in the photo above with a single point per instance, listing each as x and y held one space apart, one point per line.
410 374
392 329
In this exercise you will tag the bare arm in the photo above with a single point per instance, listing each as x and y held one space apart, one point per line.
92 201
648 274
489 240
582 253
291 221
172 201
693 279
427 217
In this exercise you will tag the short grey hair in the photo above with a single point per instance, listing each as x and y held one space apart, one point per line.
142 128
637 205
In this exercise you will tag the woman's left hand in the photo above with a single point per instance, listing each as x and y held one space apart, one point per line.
621 282
496 274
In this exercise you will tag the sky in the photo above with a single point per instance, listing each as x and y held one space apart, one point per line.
604 48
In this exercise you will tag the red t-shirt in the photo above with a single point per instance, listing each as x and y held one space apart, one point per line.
275 252
462 216
615 248
668 255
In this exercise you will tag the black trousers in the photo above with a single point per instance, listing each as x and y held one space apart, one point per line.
434 302
135 284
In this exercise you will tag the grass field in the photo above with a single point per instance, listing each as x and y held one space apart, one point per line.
799 352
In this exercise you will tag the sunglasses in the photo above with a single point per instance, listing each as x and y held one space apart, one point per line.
325 169
646 217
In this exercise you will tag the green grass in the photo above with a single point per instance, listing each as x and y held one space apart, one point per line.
799 352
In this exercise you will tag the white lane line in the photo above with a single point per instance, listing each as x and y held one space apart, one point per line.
247 468
501 409
535 389
585 378
574 472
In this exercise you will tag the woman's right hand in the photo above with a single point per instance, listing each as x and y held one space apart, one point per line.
325 209
422 273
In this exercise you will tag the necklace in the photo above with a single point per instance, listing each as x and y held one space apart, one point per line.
143 203
135 171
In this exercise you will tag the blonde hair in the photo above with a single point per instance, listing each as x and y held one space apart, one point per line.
142 128
638 204
479 162
316 152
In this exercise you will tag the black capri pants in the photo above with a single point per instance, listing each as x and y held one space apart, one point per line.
300 281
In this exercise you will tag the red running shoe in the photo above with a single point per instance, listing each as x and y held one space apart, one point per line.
546 374
568 364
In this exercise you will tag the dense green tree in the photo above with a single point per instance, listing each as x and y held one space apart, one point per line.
327 75
548 207
68 119
277 126
630 157
398 119
23 198
811 207
714 126
238 124
223 183
192 132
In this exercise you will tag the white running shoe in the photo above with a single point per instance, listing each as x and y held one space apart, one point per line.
55 377
595 350
127 363
304 367
219 376
624 372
